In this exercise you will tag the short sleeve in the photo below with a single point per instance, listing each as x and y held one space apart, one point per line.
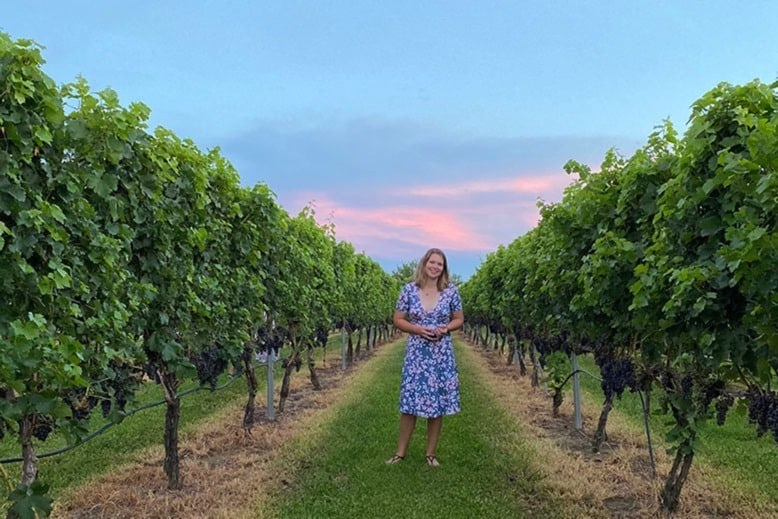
403 303
456 300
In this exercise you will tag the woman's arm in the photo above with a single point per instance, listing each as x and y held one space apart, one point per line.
456 322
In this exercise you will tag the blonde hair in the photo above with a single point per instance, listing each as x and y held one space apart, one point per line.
420 276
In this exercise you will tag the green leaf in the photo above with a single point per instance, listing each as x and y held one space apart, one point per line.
77 129
42 134
168 351
46 286
54 211
106 185
710 225
757 233
30 502
28 330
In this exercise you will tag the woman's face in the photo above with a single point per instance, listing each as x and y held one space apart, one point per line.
434 266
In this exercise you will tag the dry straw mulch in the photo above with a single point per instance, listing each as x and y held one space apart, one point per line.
617 482
227 474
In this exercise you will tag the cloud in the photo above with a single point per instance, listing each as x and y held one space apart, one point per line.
395 188
370 153
414 227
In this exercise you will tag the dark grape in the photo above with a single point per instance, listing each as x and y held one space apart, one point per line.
687 384
209 365
762 410
772 418
617 375
321 337
150 369
712 391
121 399
80 404
105 406
120 385
723 404
43 427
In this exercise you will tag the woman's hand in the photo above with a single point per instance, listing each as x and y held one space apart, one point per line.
434 333
430 334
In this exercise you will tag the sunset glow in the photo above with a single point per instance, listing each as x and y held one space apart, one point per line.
472 217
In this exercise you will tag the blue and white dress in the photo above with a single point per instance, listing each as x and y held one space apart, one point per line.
430 382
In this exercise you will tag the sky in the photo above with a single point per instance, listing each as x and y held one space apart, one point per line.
409 124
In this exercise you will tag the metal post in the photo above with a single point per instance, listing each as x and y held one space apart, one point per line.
576 393
343 348
270 392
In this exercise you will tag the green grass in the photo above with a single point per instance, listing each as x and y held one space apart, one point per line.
739 458
487 468
120 444
338 468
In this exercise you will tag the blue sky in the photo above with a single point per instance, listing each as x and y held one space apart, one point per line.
409 124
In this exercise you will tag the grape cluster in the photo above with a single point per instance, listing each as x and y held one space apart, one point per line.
271 340
119 387
105 407
687 384
150 370
772 419
723 404
713 390
80 403
321 336
763 411
209 365
543 347
44 424
617 375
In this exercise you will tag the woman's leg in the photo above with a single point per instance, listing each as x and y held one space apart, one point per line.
407 424
434 425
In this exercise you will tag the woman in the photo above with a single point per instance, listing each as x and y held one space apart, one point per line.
428 309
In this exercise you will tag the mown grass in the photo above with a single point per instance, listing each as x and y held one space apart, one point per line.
487 469
738 457
338 470
121 443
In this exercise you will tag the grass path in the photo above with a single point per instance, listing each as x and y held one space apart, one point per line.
487 469
503 456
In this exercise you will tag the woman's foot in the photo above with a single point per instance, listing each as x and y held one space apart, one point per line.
395 459
432 461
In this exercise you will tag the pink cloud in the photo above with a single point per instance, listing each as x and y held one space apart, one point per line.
420 226
370 227
536 184
471 217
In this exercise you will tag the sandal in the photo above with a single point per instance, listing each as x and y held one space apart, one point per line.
432 461
395 459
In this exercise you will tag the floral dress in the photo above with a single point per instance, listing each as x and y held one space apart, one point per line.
430 383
